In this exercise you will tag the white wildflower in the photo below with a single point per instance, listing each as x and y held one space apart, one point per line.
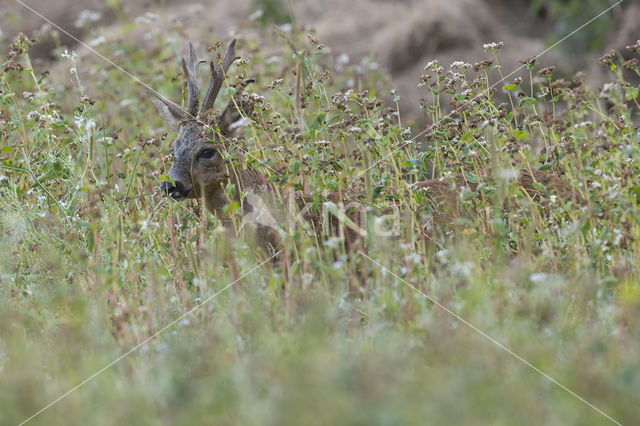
147 18
618 236
442 255
460 65
538 277
583 124
69 55
107 140
98 41
333 242
508 174
256 15
342 59
33 115
432 64
86 17
493 46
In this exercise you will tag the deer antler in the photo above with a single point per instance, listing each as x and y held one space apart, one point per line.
218 76
192 84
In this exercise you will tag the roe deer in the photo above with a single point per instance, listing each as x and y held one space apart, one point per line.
200 170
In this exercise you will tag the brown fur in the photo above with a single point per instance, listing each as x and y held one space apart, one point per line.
443 194
438 188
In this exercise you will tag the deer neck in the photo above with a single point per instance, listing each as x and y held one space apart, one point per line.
247 181
215 199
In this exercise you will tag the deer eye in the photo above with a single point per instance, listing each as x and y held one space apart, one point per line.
207 153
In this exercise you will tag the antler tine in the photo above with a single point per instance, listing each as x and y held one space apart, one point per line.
218 76
192 84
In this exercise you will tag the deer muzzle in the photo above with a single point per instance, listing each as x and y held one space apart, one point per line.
176 190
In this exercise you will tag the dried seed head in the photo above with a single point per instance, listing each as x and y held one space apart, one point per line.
484 64
547 71
631 64
635 46
528 61
607 59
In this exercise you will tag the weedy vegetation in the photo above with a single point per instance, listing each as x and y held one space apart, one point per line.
534 238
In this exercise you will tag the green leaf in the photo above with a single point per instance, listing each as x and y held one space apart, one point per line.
471 177
586 227
231 207
510 87
295 167
509 117
6 98
540 187
377 191
253 155
412 163
90 240
545 167
636 191
519 134
528 100
165 178
317 123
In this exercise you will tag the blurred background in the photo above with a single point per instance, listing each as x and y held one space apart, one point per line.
398 36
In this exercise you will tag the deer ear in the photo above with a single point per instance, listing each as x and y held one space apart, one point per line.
172 113
236 109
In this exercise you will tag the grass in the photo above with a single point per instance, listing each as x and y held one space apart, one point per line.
95 260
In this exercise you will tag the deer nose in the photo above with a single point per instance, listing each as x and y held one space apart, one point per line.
174 191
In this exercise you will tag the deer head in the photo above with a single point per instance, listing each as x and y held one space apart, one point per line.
198 166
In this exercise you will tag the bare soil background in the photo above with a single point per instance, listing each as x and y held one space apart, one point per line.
401 36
